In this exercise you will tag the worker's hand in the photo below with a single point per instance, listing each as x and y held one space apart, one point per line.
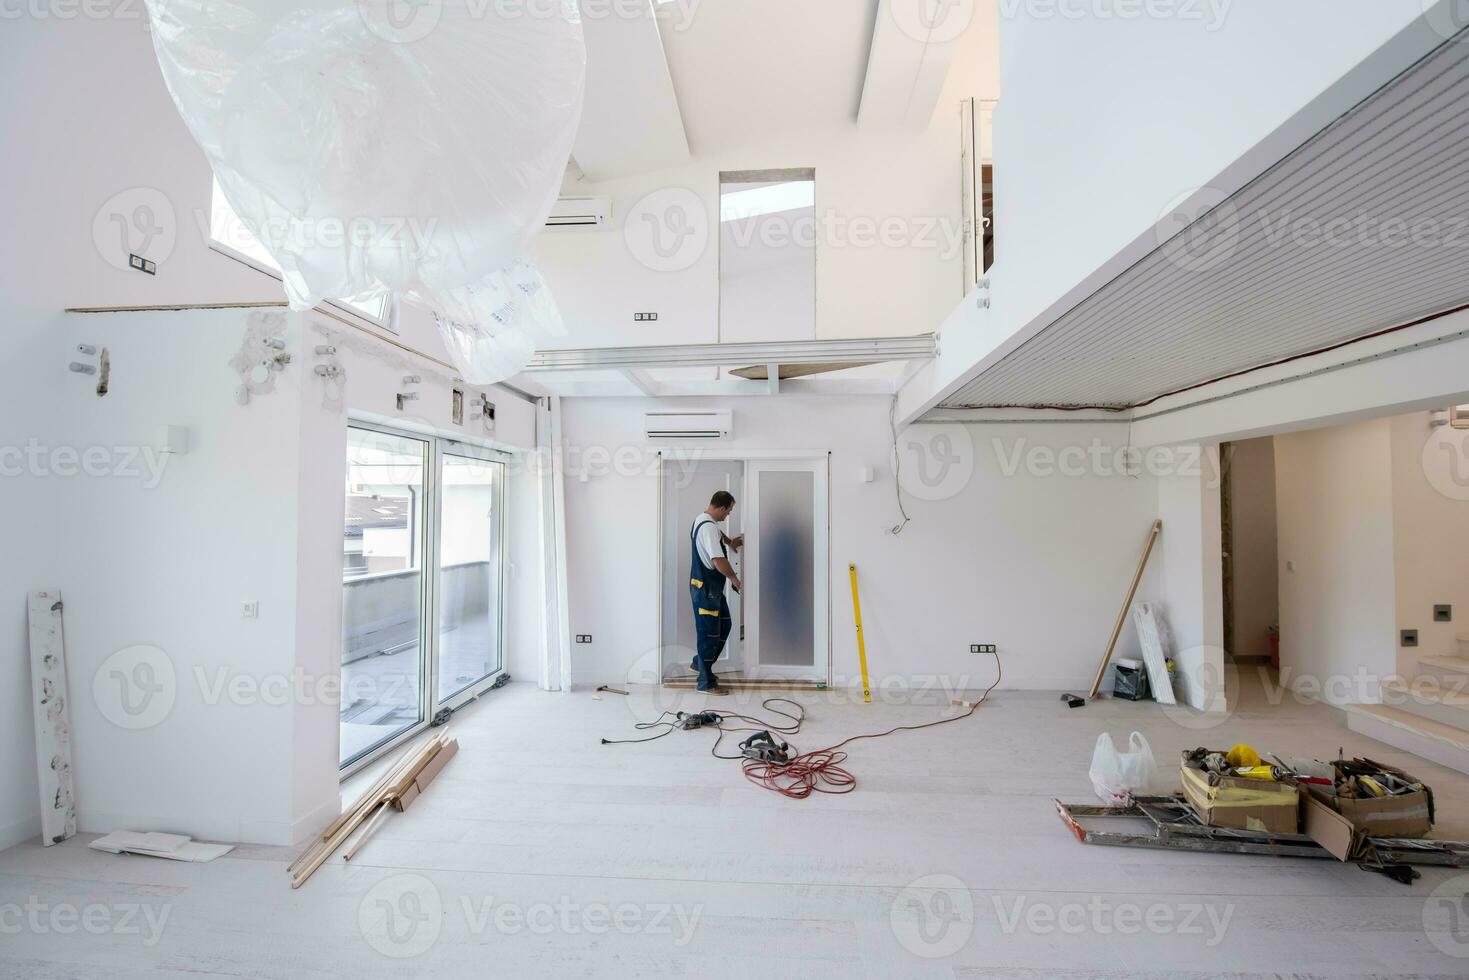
736 584
737 542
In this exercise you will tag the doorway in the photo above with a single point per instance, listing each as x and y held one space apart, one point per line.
1249 550
781 621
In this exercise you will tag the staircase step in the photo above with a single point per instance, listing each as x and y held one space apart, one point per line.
1444 668
1444 744
1446 703
1463 641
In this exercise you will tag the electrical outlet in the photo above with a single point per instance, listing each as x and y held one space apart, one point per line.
250 610
640 317
983 648
1410 638
142 264
1443 613
584 638
974 648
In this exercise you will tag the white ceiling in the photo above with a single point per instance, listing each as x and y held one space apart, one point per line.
747 70
1260 282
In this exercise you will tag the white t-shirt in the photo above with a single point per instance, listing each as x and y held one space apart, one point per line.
708 539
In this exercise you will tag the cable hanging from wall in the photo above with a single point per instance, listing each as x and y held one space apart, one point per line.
897 469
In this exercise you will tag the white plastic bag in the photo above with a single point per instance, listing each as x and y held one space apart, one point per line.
408 145
1119 776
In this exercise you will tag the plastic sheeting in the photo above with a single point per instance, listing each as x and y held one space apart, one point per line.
408 145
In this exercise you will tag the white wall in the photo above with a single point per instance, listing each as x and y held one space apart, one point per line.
900 281
1334 509
1430 535
1252 548
1094 164
1106 123
1035 561
254 511
82 152
1188 504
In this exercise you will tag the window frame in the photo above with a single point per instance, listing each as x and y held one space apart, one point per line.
388 321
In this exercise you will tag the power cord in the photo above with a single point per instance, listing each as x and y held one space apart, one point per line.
820 770
897 468
777 766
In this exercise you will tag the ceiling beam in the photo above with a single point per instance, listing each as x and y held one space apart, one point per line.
630 120
867 350
913 45
641 380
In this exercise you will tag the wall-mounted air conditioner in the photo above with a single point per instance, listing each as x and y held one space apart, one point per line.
580 212
688 425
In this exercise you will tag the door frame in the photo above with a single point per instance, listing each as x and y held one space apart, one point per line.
724 454
428 633
484 454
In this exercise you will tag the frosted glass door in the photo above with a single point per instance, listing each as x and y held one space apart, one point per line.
786 568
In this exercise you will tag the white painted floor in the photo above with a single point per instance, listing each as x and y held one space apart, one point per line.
541 853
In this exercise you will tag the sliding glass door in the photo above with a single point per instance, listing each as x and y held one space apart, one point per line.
471 489
421 583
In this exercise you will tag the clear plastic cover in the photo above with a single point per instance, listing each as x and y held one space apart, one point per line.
408 145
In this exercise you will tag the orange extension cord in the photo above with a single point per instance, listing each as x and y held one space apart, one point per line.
820 770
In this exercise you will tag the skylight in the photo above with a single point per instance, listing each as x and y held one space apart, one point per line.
767 199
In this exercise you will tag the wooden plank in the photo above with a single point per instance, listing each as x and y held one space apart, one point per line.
53 725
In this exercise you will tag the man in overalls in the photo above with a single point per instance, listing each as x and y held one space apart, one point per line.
709 568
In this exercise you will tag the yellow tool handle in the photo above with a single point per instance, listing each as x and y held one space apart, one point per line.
861 643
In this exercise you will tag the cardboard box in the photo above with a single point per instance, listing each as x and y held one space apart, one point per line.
1410 815
427 774
1244 804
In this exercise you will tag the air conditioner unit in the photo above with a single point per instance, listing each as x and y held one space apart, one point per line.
580 212
688 425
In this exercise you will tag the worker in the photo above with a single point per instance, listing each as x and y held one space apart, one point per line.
709 569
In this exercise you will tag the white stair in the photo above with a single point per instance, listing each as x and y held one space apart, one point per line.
1445 702
1433 740
1446 669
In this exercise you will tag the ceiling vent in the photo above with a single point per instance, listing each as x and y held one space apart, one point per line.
580 212
688 425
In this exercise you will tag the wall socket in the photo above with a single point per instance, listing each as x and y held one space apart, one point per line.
983 648
640 317
250 609
584 638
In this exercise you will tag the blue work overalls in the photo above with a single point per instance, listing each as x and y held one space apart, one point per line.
712 622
